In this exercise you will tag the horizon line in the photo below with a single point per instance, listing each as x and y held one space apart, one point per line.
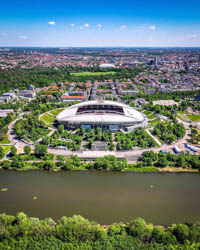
64 47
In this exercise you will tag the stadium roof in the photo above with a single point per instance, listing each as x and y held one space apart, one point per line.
128 116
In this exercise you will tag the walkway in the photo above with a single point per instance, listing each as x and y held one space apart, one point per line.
134 154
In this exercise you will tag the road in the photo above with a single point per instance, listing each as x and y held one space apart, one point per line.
11 135
130 155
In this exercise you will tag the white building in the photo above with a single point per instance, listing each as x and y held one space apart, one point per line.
104 114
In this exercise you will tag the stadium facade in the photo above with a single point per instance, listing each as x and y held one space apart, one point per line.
108 115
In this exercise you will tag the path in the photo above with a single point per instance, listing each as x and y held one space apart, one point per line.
132 155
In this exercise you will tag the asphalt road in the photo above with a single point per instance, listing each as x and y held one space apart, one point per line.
132 154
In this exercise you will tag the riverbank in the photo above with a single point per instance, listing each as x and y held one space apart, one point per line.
128 169
177 170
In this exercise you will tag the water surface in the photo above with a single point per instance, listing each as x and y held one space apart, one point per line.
104 197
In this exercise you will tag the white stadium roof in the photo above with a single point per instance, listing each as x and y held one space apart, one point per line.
130 115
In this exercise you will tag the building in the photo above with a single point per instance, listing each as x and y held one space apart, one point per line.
156 61
99 146
7 97
108 115
106 65
27 94
74 96
5 112
129 92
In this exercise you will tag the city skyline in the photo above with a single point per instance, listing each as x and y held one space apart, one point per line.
105 24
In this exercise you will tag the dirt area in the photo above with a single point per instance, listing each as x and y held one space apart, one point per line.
177 170
165 102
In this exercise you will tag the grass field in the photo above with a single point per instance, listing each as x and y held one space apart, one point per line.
151 116
154 122
180 114
194 118
93 73
147 112
5 140
47 118
6 149
142 170
56 111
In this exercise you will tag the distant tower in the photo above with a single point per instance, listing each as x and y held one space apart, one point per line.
31 87
199 61
156 61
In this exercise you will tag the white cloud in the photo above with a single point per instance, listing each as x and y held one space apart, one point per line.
123 27
192 36
80 28
100 25
52 23
149 40
23 37
187 37
72 25
86 25
152 27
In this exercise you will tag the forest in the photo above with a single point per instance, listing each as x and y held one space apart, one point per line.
24 232
40 77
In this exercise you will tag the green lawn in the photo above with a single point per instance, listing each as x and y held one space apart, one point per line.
142 170
181 116
147 112
151 116
47 118
6 149
93 73
154 122
56 111
194 118
5 140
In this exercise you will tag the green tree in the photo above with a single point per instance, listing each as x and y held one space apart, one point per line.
49 165
13 150
40 150
181 231
1 152
61 128
138 228
159 235
162 161
27 149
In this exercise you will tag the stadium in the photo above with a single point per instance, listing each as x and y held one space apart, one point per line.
108 115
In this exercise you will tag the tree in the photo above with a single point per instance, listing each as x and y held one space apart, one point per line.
40 150
61 128
1 152
60 158
27 150
13 150
159 235
49 165
138 228
162 161
181 231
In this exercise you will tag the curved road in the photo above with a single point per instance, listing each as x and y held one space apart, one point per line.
132 154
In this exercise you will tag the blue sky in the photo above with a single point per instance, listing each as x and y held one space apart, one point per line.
100 23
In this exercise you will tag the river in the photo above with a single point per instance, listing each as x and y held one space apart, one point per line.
104 197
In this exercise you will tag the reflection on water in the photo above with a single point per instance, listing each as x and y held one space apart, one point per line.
104 197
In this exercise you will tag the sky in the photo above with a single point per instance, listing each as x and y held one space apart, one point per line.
110 23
